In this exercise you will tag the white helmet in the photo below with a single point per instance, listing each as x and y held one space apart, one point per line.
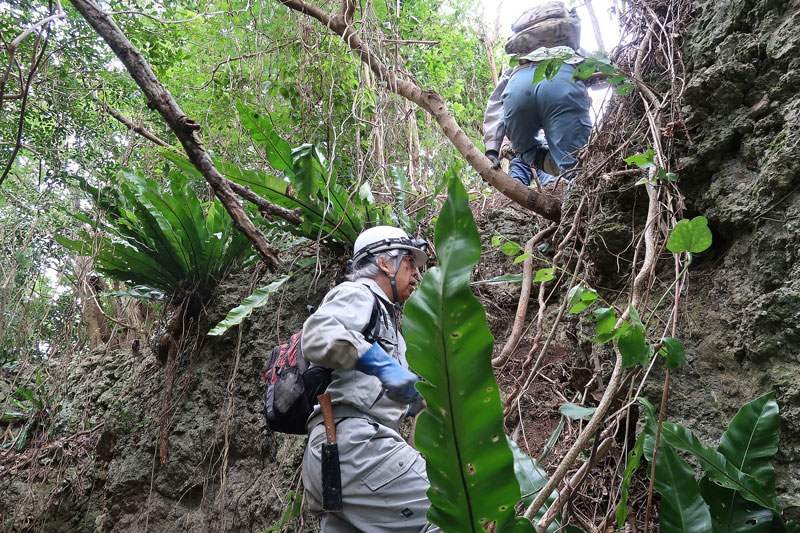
379 239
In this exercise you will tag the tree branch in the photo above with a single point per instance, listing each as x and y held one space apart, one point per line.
130 124
265 208
35 61
185 128
433 103
595 25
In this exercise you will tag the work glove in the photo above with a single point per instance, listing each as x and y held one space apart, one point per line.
416 407
398 381
492 155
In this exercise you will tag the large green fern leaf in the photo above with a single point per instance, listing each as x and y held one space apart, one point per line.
469 463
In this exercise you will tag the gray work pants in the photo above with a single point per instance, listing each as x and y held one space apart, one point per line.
383 480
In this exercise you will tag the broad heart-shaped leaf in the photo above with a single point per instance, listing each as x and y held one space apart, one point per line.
258 298
673 352
682 507
690 236
632 345
470 466
645 160
749 443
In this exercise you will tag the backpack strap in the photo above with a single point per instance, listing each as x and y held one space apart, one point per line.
372 330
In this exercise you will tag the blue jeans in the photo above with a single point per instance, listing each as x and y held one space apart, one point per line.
522 173
559 106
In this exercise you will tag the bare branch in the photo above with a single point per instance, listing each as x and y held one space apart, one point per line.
348 10
408 41
433 103
35 62
185 128
595 25
130 125
265 207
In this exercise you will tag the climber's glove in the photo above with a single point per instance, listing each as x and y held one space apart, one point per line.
398 381
492 155
416 407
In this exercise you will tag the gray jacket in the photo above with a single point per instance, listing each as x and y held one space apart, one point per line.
332 337
494 128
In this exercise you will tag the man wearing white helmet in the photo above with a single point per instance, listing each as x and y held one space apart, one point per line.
383 478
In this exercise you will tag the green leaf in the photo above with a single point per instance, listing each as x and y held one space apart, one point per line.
664 175
309 175
624 88
531 477
461 432
682 507
631 341
719 469
510 248
496 240
577 412
553 439
673 352
749 443
587 297
606 318
690 236
544 274
574 294
645 160
258 298
546 69
634 458
140 292
279 153
521 258
292 511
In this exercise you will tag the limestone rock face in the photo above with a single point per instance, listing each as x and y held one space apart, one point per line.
742 171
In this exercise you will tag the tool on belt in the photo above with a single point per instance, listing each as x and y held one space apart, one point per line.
331 474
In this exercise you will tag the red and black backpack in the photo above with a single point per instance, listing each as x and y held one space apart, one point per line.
293 384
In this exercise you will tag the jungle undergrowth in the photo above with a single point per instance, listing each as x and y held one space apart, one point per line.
645 122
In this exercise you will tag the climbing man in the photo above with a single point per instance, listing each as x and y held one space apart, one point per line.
383 478
519 109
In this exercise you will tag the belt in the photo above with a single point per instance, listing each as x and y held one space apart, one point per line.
526 65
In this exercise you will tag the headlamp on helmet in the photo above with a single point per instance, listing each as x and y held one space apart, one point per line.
374 241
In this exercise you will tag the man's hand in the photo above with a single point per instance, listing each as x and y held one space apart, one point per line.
492 155
416 407
398 381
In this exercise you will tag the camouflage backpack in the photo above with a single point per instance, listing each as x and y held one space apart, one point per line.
548 25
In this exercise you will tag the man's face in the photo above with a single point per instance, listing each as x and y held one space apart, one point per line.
406 279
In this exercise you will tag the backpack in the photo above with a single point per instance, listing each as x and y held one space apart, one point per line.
293 384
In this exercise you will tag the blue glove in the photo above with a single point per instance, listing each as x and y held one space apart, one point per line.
416 407
398 381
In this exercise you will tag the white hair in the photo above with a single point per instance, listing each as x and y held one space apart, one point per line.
370 270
